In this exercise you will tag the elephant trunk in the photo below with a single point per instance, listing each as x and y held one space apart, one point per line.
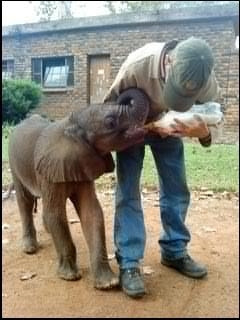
136 104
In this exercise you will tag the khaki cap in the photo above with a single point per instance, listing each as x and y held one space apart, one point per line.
192 66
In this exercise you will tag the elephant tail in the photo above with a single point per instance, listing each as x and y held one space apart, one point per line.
138 103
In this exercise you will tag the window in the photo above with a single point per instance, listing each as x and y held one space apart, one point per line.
237 42
53 72
7 69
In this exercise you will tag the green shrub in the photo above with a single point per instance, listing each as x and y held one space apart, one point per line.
7 129
19 96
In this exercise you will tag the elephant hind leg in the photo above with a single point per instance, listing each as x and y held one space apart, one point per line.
25 202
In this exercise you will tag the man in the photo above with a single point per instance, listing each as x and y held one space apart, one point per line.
174 76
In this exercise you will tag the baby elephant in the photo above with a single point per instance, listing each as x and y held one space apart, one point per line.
60 160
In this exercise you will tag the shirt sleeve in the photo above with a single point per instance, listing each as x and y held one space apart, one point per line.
123 81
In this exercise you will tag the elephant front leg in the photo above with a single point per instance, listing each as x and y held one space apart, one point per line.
54 215
92 220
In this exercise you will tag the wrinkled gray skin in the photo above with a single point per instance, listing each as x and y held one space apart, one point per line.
60 160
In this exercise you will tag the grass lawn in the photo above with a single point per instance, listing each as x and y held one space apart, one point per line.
215 168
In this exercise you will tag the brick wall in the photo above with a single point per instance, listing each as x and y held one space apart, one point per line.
118 41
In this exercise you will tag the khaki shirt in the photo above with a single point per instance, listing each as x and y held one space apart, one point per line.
144 68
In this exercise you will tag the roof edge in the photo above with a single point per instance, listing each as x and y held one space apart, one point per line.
133 18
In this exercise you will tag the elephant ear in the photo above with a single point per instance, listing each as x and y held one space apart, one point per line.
59 158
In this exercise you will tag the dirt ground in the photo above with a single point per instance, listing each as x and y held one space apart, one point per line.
213 221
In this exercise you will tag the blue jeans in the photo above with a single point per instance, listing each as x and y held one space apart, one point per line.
129 229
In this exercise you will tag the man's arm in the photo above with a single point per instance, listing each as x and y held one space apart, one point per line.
198 129
124 80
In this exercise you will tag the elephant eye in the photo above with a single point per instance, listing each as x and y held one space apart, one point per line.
110 122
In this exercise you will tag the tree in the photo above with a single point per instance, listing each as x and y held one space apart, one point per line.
130 6
45 9
48 10
64 9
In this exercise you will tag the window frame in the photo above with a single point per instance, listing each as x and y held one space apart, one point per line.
39 66
11 72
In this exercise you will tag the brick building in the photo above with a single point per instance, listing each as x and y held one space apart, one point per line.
76 60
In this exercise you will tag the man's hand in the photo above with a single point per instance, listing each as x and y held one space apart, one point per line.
198 128
163 132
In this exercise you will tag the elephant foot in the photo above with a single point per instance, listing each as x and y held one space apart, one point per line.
30 245
69 273
106 280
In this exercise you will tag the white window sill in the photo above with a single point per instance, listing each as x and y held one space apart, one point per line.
57 89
